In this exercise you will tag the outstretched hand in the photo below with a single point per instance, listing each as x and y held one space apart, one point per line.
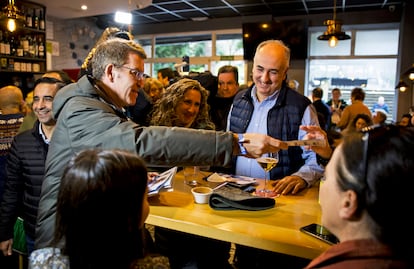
316 132
258 144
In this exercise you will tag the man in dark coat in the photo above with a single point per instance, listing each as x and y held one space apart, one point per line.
324 112
25 168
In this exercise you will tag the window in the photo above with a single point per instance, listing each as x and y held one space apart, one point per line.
368 61
379 42
321 48
179 46
207 51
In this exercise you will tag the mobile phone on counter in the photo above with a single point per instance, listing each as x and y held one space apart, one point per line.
320 232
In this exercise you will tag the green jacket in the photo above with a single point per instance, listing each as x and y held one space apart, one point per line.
87 119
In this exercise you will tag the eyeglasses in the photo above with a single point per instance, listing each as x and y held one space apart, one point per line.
134 72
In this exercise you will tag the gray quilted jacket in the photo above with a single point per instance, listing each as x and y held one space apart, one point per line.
86 119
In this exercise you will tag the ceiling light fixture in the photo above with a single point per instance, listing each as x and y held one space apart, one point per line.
12 15
123 17
401 86
410 72
333 32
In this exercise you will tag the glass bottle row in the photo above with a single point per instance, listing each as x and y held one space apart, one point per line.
22 45
34 18
17 66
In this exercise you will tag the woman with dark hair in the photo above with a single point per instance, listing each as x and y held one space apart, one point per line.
405 120
360 121
184 104
101 209
365 196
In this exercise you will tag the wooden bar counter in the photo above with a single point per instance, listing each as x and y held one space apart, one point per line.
275 229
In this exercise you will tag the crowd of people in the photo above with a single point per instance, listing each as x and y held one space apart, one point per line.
78 176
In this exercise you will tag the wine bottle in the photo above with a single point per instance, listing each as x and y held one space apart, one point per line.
2 44
20 46
25 45
41 21
32 46
29 22
7 48
13 46
35 20
41 47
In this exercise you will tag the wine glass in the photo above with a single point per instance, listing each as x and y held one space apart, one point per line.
267 162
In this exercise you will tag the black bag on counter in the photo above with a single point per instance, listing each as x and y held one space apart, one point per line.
231 198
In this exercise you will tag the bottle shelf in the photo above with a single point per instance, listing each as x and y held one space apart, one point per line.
23 52
31 59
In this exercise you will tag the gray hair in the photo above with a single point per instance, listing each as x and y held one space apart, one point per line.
114 51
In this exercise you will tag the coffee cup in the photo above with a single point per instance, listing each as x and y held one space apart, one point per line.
201 194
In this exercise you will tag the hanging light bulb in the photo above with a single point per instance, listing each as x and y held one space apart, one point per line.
12 14
333 41
11 25
333 32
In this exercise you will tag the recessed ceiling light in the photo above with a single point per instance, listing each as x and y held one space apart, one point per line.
84 7
199 18
123 17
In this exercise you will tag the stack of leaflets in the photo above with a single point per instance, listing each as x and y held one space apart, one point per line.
162 181
235 180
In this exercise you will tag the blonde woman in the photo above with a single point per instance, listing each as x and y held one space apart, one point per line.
184 104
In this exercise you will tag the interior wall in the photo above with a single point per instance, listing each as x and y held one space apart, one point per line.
74 38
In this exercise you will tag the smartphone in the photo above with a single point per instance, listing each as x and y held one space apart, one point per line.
320 232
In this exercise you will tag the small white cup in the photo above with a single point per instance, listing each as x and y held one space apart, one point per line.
201 194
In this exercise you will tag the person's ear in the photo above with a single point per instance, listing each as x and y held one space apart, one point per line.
286 73
348 205
109 72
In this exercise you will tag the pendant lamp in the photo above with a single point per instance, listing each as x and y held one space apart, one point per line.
333 32
12 15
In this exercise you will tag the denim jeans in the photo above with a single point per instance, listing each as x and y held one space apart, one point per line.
29 244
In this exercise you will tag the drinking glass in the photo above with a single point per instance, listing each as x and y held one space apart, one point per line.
267 162
191 174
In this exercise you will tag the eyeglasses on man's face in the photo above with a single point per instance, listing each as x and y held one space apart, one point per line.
135 72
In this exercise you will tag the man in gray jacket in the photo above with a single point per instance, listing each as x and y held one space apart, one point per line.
91 114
